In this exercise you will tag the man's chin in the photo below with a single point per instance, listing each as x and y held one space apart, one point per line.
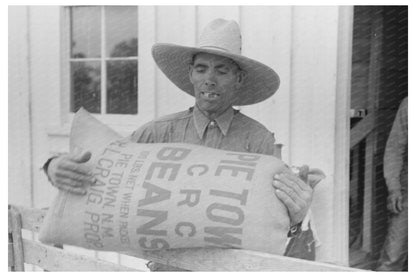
208 107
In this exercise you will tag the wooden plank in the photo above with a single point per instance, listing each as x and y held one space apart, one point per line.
361 130
10 227
31 218
341 150
11 257
134 262
374 82
194 258
112 257
16 226
234 260
368 191
56 259
19 106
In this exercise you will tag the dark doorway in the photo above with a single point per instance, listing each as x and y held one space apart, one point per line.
379 84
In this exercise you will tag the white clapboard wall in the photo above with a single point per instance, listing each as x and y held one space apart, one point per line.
310 48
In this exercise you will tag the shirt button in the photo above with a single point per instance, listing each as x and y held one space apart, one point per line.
212 123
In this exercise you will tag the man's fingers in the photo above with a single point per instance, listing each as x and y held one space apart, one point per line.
289 190
294 210
71 166
389 207
293 180
315 175
287 200
80 157
303 173
67 182
75 178
394 202
70 189
392 206
399 207
294 193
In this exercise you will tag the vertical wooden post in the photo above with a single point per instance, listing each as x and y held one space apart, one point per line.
15 226
371 140
368 191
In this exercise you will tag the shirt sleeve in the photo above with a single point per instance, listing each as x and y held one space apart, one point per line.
144 134
396 148
266 146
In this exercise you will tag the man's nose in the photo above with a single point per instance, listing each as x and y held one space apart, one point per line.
210 80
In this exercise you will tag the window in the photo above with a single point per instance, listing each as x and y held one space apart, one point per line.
103 59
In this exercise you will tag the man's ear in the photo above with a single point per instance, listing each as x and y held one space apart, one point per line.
190 69
241 77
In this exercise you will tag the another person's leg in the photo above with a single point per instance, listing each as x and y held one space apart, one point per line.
394 253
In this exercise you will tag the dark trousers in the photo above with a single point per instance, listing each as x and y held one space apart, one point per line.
394 253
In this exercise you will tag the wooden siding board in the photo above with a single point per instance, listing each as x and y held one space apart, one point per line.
147 68
266 35
45 87
342 137
19 131
313 114
175 24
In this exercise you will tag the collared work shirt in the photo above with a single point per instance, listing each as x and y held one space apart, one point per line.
231 131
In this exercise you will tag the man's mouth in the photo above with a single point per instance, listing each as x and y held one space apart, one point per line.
210 95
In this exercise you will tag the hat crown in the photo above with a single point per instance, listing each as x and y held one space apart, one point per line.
223 35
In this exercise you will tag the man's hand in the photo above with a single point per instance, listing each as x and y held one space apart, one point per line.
70 173
295 193
394 201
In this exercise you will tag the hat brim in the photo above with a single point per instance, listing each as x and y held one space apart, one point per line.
174 60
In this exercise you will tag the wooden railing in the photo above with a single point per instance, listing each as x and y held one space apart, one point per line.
50 258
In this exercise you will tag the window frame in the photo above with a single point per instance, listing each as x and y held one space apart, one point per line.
121 122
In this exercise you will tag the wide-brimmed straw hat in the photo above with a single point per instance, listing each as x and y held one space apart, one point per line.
220 37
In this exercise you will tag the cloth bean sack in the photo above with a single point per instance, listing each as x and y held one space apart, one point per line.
167 195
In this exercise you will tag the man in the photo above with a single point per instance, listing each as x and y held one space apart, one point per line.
218 76
394 254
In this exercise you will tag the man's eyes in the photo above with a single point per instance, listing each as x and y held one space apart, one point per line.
221 71
200 69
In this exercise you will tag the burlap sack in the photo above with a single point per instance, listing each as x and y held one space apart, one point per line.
159 196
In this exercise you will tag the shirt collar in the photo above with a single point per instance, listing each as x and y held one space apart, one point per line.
201 121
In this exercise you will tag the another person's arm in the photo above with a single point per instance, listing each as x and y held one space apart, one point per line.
396 148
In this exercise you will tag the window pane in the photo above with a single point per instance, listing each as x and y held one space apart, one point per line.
85 86
122 87
85 32
121 31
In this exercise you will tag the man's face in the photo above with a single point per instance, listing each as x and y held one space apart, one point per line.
216 82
